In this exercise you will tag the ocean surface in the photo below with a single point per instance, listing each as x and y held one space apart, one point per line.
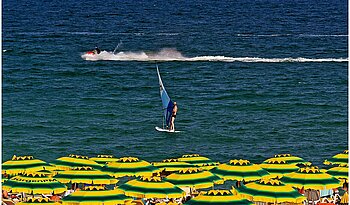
251 78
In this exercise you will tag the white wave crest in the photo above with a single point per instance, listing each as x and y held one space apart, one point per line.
174 55
265 60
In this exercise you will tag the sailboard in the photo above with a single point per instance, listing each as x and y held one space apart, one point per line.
167 106
166 130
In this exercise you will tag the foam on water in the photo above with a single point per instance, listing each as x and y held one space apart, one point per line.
174 55
291 35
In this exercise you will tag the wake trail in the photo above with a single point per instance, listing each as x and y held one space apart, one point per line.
174 55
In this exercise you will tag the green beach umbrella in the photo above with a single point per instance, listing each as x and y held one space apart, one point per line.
194 178
130 166
103 159
240 170
269 191
51 172
341 158
218 197
95 195
197 160
289 159
310 178
67 163
86 175
21 164
38 201
340 172
278 168
151 187
171 165
33 183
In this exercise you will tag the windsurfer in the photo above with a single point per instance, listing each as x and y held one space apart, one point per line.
173 116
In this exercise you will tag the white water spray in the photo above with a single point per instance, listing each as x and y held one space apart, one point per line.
168 54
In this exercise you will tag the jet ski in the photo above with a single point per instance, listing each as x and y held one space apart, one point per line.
94 52
90 53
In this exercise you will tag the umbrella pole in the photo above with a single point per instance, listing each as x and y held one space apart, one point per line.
22 196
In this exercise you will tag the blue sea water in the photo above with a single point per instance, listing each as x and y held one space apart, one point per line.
251 78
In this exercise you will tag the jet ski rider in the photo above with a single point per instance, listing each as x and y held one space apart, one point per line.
96 50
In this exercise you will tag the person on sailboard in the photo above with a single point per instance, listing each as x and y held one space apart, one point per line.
173 116
97 50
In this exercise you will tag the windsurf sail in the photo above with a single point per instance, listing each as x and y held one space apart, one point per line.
167 104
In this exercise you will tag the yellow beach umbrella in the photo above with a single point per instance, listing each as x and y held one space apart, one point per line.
171 165
240 170
278 168
197 160
48 173
38 201
288 158
103 159
151 187
340 172
269 191
85 175
311 178
218 197
95 195
130 166
21 164
194 178
341 158
33 183
67 163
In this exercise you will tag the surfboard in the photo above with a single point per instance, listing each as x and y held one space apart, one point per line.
166 130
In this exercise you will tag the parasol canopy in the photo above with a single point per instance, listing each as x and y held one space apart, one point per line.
341 158
103 159
193 178
96 195
240 170
67 163
38 201
85 175
339 172
310 178
130 166
197 160
270 191
34 183
151 187
23 163
172 165
218 197
289 159
278 168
